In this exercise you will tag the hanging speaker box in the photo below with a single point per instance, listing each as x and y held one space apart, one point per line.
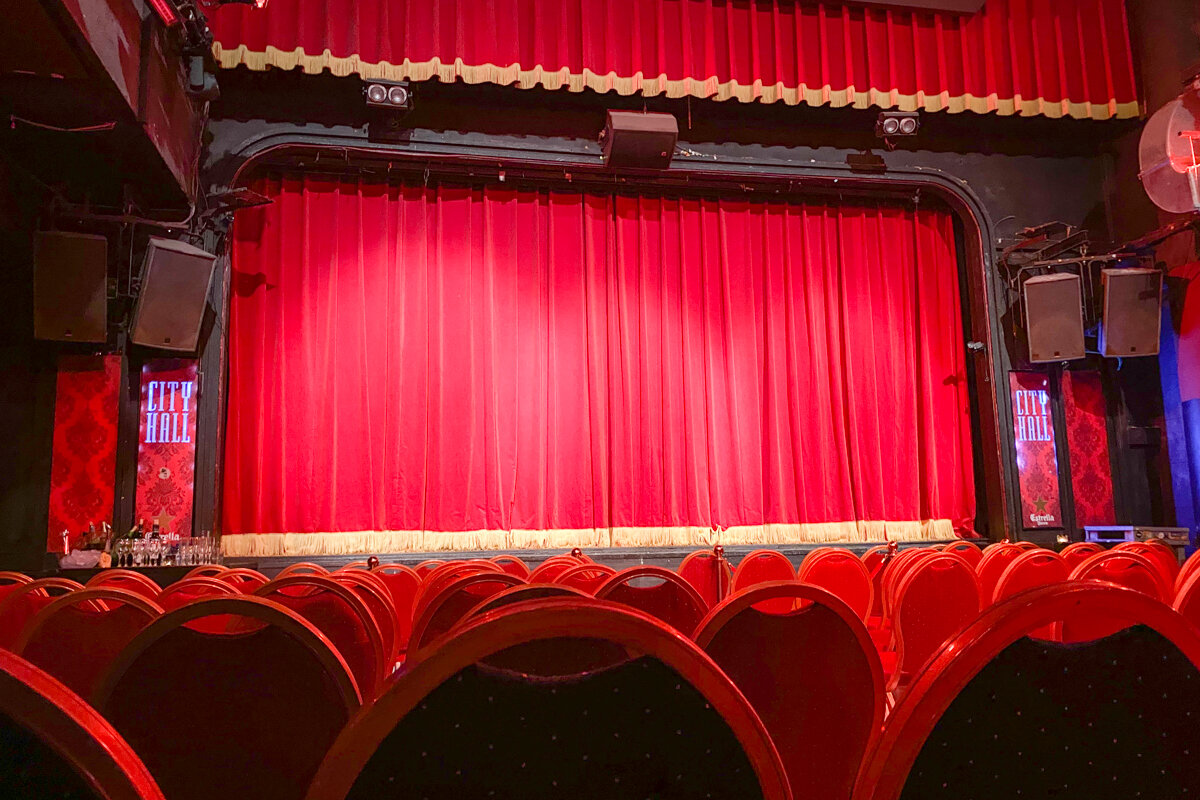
170 307
70 276
1054 317
636 139
1132 308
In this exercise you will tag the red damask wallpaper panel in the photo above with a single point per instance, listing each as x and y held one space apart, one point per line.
1037 461
84 454
167 444
1087 443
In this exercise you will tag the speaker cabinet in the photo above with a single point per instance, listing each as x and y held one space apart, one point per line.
1054 317
639 140
170 307
1132 305
70 277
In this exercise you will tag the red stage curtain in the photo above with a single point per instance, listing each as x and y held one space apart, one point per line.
448 367
1029 57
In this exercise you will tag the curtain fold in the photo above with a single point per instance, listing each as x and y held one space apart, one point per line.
1030 57
449 367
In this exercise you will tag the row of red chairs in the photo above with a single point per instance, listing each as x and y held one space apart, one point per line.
570 696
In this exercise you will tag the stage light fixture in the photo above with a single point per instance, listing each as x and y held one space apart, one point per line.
393 95
897 123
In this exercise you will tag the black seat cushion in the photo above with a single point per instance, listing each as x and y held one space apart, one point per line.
633 730
1118 717
31 770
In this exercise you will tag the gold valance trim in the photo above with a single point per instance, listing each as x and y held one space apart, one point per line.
712 87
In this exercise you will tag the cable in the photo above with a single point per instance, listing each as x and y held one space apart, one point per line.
103 126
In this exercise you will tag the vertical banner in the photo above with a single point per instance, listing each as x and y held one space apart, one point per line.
167 444
84 454
1087 446
1037 460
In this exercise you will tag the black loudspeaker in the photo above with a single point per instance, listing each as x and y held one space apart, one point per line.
70 276
170 307
1054 317
639 139
1132 305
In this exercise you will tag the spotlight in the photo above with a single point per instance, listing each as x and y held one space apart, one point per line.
166 12
387 94
897 123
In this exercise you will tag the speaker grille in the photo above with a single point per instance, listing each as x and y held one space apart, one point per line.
70 299
1132 308
1054 318
170 307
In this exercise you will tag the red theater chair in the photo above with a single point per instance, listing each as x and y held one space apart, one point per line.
24 600
1026 545
206 571
302 568
935 600
426 567
586 577
244 714
761 566
658 592
842 574
376 597
338 613
452 602
558 699
188 589
512 565
78 636
525 593
549 570
709 574
874 556
812 675
997 713
995 560
1162 555
1078 552
446 573
1124 568
968 551
125 579
403 584
242 579
353 565
1029 570
57 746
1189 568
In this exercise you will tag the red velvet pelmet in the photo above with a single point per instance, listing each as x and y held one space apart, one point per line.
1052 57
442 358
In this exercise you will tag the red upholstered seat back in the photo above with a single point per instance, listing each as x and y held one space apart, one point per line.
710 575
936 600
78 636
23 601
342 618
995 560
969 551
1187 599
189 589
1078 552
247 714
425 567
1190 567
375 596
302 568
1031 569
761 566
125 579
842 574
549 570
512 565
403 584
1124 568
444 609
587 577
894 572
658 592
524 593
244 580
812 675
1162 556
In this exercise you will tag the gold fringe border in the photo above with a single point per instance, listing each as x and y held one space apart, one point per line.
344 543
514 75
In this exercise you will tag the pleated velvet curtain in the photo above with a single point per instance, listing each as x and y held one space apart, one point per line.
1030 57
448 367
